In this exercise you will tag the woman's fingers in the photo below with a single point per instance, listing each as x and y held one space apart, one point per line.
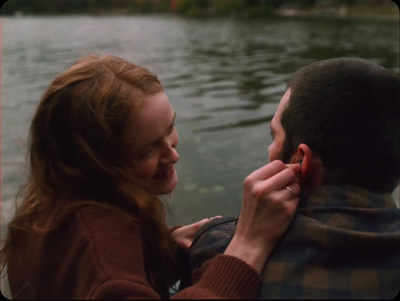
293 189
218 216
265 199
279 181
267 171
294 166
274 175
272 168
184 235
270 197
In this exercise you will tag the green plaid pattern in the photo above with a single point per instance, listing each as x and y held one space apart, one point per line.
343 243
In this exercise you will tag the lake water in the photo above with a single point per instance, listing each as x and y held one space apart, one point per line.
224 78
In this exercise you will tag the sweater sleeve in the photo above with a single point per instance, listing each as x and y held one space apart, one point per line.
117 251
225 277
124 289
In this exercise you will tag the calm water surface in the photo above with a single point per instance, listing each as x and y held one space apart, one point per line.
224 78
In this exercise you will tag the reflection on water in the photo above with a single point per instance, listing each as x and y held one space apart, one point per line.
224 78
239 124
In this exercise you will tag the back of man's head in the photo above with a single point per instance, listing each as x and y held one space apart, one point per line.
347 111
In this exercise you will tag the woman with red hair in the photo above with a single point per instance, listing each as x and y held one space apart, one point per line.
91 224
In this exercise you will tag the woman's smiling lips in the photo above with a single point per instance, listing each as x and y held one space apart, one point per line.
165 174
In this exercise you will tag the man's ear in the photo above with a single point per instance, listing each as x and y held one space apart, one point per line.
311 170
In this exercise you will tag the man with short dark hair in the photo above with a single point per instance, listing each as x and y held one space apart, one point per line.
339 118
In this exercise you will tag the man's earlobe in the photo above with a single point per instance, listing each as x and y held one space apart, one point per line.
312 170
304 155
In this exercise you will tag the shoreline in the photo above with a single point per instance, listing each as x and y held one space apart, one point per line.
364 11
360 17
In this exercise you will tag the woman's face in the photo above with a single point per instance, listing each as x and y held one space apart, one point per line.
154 139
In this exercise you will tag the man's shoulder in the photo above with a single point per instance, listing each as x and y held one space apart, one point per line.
212 239
217 225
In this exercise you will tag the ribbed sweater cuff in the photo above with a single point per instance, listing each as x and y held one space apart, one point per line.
229 277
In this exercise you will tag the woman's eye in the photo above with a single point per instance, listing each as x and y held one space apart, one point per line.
171 130
145 153
148 152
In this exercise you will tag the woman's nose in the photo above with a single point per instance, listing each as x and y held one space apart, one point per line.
171 154
174 156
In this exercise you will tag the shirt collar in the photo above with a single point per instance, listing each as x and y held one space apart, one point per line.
346 196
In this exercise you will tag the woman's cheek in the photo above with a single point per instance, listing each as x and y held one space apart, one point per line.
145 170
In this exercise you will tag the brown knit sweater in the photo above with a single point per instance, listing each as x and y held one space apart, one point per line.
99 256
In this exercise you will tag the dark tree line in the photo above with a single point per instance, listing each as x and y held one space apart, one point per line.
179 6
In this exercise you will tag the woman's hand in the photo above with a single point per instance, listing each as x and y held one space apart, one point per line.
184 235
270 199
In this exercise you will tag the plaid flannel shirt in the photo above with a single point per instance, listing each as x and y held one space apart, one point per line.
342 243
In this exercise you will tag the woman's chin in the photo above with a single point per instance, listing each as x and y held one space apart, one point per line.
167 186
